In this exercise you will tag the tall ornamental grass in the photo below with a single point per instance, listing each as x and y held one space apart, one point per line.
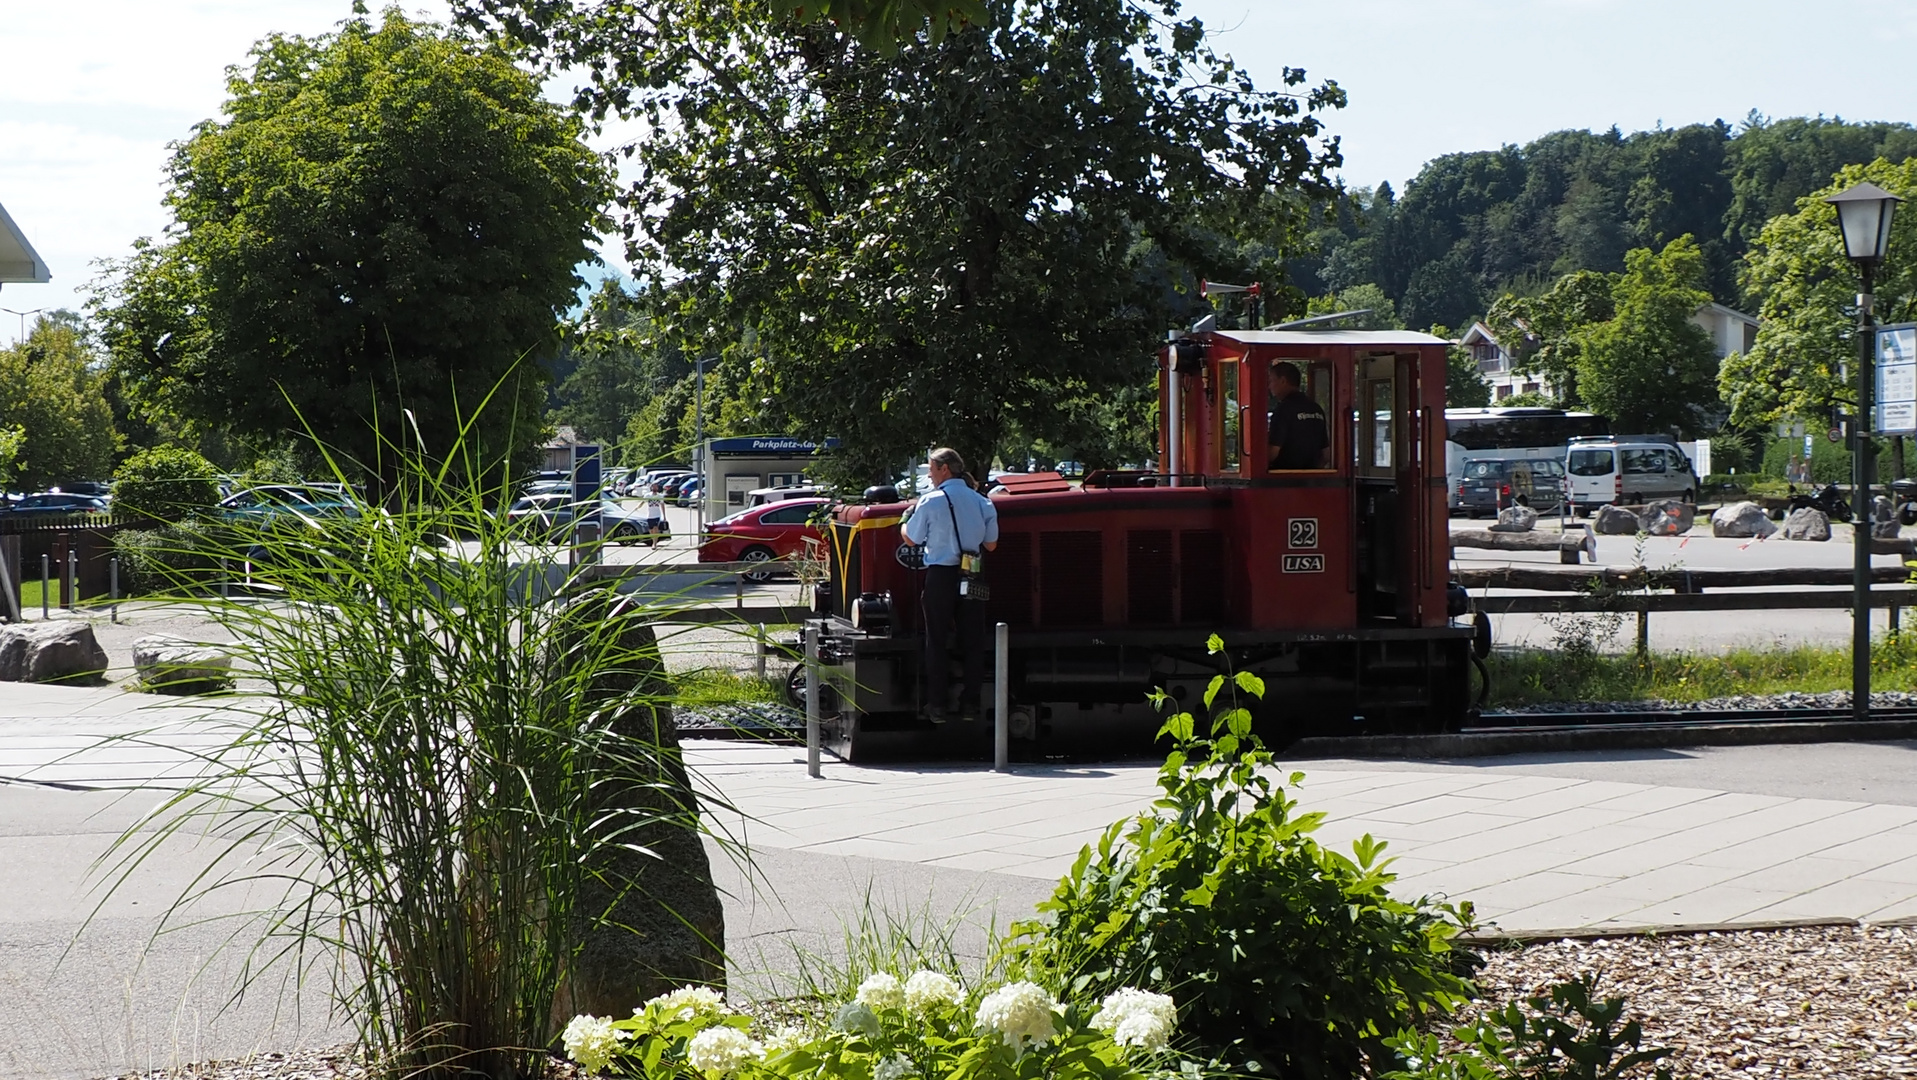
447 754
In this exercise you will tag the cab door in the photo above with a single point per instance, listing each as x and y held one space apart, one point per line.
1385 486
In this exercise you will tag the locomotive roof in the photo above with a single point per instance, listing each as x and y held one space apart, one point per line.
1330 337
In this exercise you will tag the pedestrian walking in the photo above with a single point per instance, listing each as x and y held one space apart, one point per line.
956 526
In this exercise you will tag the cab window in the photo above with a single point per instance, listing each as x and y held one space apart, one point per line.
1300 430
1483 470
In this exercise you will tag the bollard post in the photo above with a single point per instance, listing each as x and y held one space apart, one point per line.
738 592
1002 698
223 580
73 579
812 699
761 651
46 583
113 588
1643 634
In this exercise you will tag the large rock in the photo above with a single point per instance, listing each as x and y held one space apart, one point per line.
664 926
170 665
1668 517
1516 519
1741 519
1615 521
1807 523
55 651
1883 519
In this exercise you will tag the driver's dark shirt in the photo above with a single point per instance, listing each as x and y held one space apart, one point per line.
1298 433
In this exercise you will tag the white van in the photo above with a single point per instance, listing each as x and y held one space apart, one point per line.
1626 471
764 495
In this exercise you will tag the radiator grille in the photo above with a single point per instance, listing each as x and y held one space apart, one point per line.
1201 568
1071 578
1008 570
1148 576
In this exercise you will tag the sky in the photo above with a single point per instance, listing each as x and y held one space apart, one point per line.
92 91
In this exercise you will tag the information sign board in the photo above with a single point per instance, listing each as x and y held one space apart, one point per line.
1897 380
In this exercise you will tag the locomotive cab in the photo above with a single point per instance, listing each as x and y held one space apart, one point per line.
1299 512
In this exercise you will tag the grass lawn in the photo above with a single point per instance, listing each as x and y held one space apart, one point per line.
1538 676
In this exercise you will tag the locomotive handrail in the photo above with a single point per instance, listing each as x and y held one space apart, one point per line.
1646 603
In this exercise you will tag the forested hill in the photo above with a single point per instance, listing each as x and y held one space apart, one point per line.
1470 227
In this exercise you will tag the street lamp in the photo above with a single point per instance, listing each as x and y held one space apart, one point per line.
1863 213
699 435
23 319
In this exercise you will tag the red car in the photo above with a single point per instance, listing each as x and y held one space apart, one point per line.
762 534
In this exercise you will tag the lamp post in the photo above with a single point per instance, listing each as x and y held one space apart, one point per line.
1863 213
23 319
699 436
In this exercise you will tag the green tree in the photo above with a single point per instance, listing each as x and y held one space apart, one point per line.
937 244
1381 313
1465 386
1649 367
51 391
1805 291
1543 334
608 368
384 224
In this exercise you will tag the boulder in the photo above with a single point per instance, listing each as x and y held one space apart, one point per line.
1668 517
170 665
1883 519
1741 519
1516 519
53 651
1807 523
664 926
1615 521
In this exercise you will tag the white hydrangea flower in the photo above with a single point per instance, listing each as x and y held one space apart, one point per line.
881 991
591 1041
926 990
789 1037
689 1003
1022 1013
896 1067
1137 1018
721 1050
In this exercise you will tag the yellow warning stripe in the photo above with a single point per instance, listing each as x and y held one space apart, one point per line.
843 553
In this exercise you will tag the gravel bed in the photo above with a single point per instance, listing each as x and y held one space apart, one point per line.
1835 699
1827 1001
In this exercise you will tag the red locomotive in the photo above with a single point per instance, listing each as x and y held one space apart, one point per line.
1330 580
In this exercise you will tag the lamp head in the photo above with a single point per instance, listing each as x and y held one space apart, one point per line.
1863 213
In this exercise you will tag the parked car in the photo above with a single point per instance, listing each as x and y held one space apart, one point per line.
554 511
690 492
271 501
669 487
48 503
763 535
764 495
1627 471
1489 484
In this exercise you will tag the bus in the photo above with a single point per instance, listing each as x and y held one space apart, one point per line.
1510 432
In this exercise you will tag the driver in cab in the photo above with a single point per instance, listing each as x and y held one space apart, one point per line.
1299 436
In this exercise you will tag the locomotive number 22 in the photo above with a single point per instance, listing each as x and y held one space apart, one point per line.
1301 532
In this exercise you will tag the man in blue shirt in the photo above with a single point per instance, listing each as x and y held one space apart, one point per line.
952 521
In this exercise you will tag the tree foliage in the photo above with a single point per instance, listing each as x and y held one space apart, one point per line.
384 223
940 243
51 392
165 483
1514 218
1649 367
1806 291
1542 333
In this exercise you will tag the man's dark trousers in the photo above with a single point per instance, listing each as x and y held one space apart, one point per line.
942 607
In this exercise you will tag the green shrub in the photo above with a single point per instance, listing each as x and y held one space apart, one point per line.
166 483
1283 954
1565 1035
175 556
